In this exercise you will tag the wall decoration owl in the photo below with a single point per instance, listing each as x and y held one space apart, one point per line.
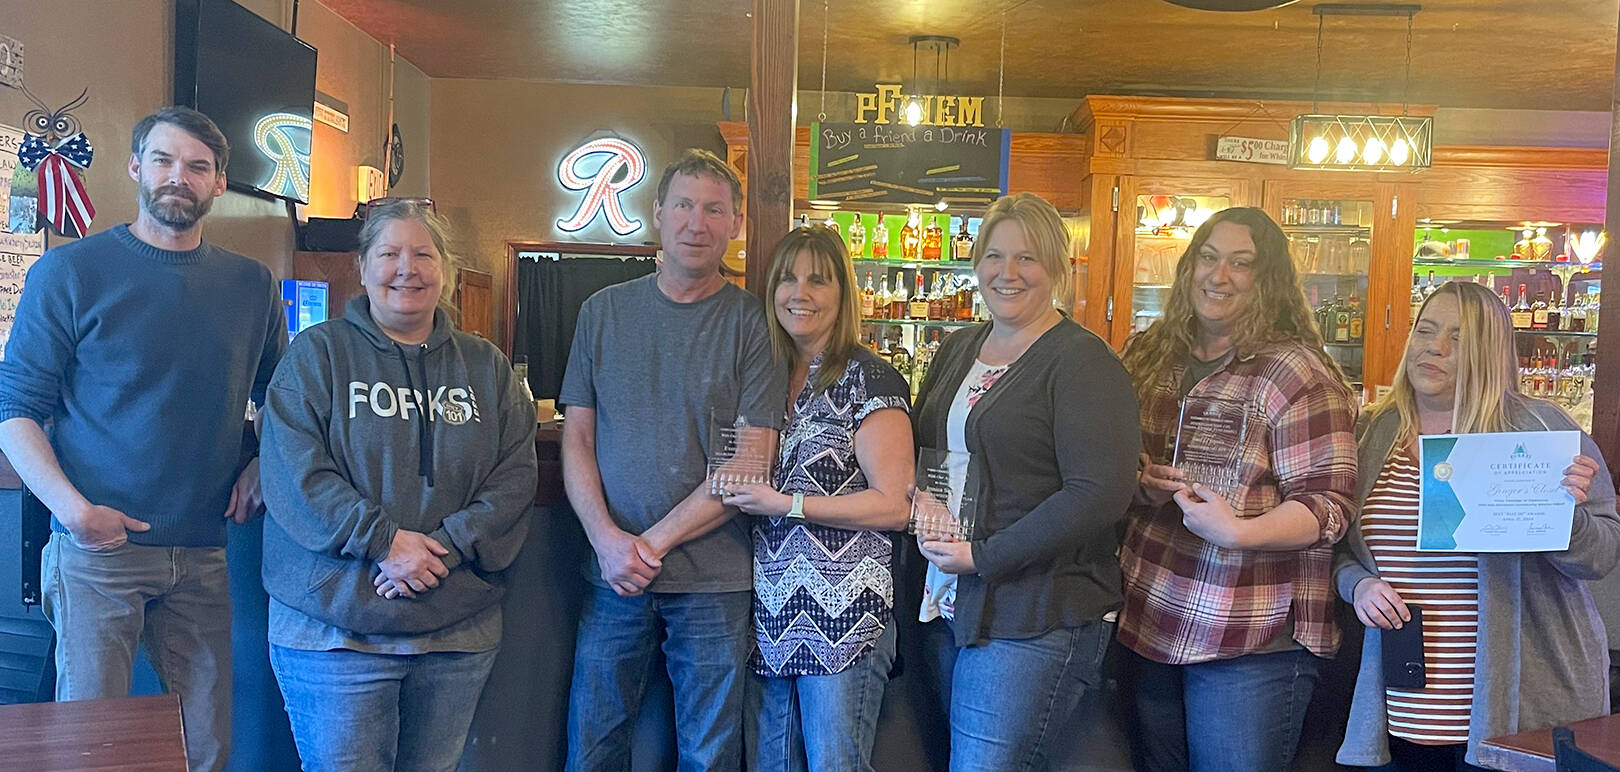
56 152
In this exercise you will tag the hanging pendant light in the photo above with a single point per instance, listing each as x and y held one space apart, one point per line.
1361 142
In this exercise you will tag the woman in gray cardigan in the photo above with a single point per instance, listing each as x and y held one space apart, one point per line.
1047 414
1532 646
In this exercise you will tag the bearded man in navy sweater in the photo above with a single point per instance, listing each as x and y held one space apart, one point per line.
142 346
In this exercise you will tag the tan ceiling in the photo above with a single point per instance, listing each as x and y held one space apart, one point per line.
1532 54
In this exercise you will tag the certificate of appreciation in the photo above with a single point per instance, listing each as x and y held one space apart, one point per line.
1499 492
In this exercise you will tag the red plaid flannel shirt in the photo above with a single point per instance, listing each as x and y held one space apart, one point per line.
1189 601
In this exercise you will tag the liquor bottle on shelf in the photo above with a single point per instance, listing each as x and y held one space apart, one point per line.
857 238
1417 298
1521 314
1593 303
1428 289
1555 313
933 240
1507 298
1538 313
980 313
880 238
919 302
880 303
936 298
868 297
1358 323
1290 212
1521 248
832 225
1524 375
962 245
1540 247
964 299
911 237
1538 379
897 301
1313 214
1341 320
1336 214
1577 315
804 220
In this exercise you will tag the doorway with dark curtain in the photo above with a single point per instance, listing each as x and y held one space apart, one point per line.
550 292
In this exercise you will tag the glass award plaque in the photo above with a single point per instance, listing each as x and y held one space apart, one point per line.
941 510
739 454
1210 437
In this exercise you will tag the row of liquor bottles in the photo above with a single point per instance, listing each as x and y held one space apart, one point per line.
918 240
912 365
1542 377
949 298
1579 314
1340 320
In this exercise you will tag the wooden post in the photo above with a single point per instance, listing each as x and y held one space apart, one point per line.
1606 382
772 84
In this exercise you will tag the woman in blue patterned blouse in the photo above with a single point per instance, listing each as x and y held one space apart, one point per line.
823 575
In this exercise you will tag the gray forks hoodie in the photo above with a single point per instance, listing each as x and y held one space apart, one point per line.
364 436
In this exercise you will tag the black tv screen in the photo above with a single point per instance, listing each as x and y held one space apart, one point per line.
258 83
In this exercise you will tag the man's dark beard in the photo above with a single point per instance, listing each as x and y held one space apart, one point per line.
176 215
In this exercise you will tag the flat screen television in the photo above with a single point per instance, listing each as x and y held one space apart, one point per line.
258 83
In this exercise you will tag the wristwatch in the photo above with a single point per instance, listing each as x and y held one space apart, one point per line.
797 512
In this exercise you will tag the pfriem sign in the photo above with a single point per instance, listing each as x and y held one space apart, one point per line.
602 169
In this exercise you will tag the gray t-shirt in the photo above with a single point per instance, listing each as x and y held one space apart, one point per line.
656 372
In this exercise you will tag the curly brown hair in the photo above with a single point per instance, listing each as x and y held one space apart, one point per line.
1276 311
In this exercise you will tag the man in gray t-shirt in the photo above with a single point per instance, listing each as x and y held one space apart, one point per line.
654 362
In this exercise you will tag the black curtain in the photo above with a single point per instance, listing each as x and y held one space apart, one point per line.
549 294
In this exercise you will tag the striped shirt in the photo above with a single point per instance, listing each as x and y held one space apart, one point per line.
1446 586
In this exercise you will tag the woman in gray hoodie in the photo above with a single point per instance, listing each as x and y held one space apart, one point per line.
1511 641
399 467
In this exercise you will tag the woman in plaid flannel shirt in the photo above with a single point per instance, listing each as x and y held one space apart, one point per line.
1228 603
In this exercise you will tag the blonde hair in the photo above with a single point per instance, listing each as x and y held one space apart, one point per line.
438 230
1487 384
1275 313
1044 229
828 253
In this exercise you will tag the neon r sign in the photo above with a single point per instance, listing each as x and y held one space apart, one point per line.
603 169
284 138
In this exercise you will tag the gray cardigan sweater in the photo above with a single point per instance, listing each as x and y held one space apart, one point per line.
1541 659
1056 444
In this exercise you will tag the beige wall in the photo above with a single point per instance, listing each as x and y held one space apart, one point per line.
123 51
496 145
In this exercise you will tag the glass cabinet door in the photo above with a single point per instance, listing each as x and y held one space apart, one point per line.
1164 228
1330 241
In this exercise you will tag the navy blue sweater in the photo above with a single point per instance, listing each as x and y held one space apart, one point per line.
145 359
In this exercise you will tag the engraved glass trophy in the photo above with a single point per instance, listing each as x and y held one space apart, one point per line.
1210 436
944 507
739 453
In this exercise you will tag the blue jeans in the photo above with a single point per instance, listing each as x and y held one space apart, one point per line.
175 601
1007 695
820 722
1242 714
358 712
707 637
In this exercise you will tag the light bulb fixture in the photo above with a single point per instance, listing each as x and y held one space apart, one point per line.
1354 142
1373 151
1318 151
913 112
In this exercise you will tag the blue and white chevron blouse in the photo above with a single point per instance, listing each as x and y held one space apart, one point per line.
823 595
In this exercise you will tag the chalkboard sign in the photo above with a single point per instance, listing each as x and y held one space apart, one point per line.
907 164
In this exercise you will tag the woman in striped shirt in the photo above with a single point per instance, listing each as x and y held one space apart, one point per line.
1511 641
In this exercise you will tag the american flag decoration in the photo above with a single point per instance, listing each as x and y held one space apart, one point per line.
64 203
